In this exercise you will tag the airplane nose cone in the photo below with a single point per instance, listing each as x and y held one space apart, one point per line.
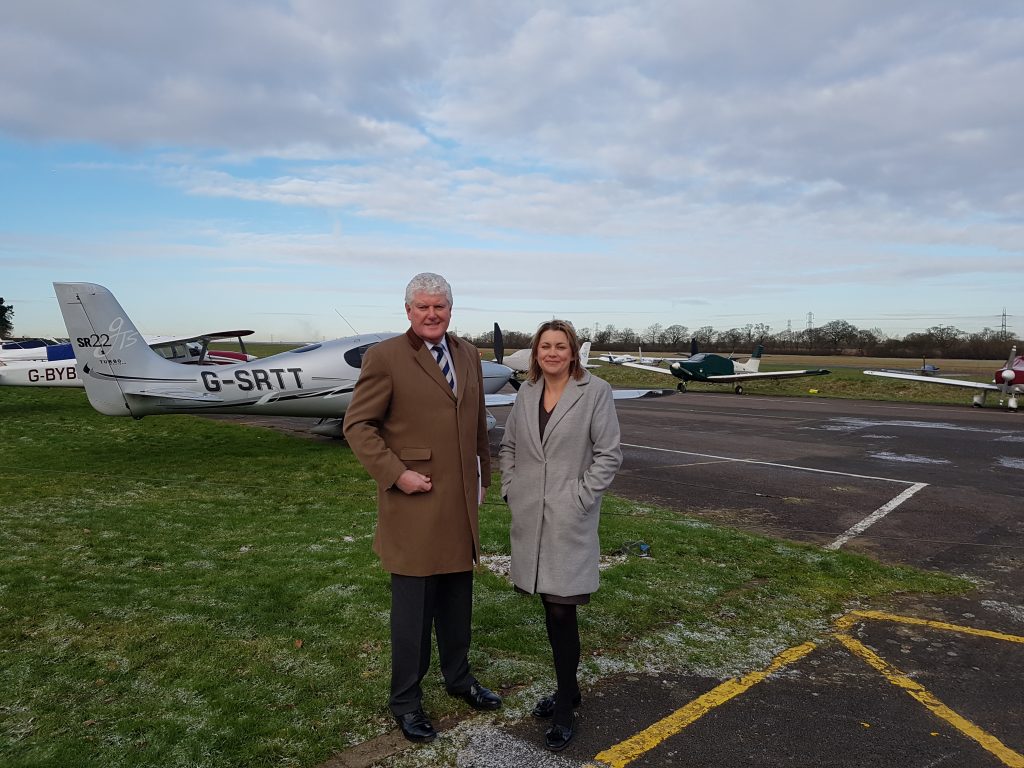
1008 376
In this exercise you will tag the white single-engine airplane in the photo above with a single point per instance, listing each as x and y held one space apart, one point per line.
1008 381
123 377
57 367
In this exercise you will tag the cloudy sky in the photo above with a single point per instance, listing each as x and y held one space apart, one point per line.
279 165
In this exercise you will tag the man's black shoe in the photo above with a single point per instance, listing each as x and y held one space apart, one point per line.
558 736
546 707
479 697
416 727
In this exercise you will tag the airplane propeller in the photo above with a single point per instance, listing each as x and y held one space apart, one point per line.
499 344
499 354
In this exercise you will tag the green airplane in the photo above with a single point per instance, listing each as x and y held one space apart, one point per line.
715 369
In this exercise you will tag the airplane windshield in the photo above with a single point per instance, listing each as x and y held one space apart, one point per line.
354 356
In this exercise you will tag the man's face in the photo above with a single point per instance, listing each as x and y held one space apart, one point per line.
429 315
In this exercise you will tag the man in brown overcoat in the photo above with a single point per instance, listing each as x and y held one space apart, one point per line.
418 425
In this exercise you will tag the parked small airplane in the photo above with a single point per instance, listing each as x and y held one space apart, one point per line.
57 368
27 349
608 357
1008 382
715 369
624 359
123 377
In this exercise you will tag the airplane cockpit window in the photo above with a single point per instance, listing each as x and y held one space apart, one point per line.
354 356
307 348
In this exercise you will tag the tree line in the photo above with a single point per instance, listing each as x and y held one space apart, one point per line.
837 337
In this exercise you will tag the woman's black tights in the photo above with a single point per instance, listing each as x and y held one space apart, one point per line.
564 636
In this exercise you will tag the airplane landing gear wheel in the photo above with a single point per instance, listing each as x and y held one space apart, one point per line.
738 389
681 386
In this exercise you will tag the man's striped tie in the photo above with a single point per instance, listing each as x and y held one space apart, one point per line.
446 368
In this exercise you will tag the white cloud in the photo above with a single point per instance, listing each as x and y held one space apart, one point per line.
683 149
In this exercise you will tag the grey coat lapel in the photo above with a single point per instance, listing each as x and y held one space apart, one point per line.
573 392
530 395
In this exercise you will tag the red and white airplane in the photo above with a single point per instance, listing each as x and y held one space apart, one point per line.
1008 381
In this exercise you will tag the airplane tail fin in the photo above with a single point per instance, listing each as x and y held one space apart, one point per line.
754 363
109 348
584 353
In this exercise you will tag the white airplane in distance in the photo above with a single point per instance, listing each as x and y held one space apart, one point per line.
57 366
1008 381
123 377
26 349
519 361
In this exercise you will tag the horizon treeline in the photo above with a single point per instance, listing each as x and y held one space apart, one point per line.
837 337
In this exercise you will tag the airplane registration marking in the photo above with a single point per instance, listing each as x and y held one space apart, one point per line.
621 754
258 379
67 373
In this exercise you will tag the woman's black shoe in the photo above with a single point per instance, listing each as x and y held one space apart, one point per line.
558 736
546 707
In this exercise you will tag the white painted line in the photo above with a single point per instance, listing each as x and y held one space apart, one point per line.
767 464
875 516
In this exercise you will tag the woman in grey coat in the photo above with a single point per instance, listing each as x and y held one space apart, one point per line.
559 454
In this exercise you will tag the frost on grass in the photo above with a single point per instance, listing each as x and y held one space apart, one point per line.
502 564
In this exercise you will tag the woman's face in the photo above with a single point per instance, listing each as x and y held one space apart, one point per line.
554 353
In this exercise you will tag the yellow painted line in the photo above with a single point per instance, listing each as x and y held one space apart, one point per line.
1006 755
846 621
626 751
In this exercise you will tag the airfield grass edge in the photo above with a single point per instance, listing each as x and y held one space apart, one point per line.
180 591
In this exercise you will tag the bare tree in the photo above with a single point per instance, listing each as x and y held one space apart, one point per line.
627 336
705 336
838 334
652 334
674 335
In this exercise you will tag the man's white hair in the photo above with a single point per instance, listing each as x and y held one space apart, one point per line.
429 283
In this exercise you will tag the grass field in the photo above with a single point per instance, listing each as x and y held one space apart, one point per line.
181 592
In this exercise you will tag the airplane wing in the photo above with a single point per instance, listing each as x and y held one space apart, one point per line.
636 394
160 341
643 367
935 380
496 401
768 375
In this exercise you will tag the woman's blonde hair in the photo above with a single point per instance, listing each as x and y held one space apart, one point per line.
575 369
